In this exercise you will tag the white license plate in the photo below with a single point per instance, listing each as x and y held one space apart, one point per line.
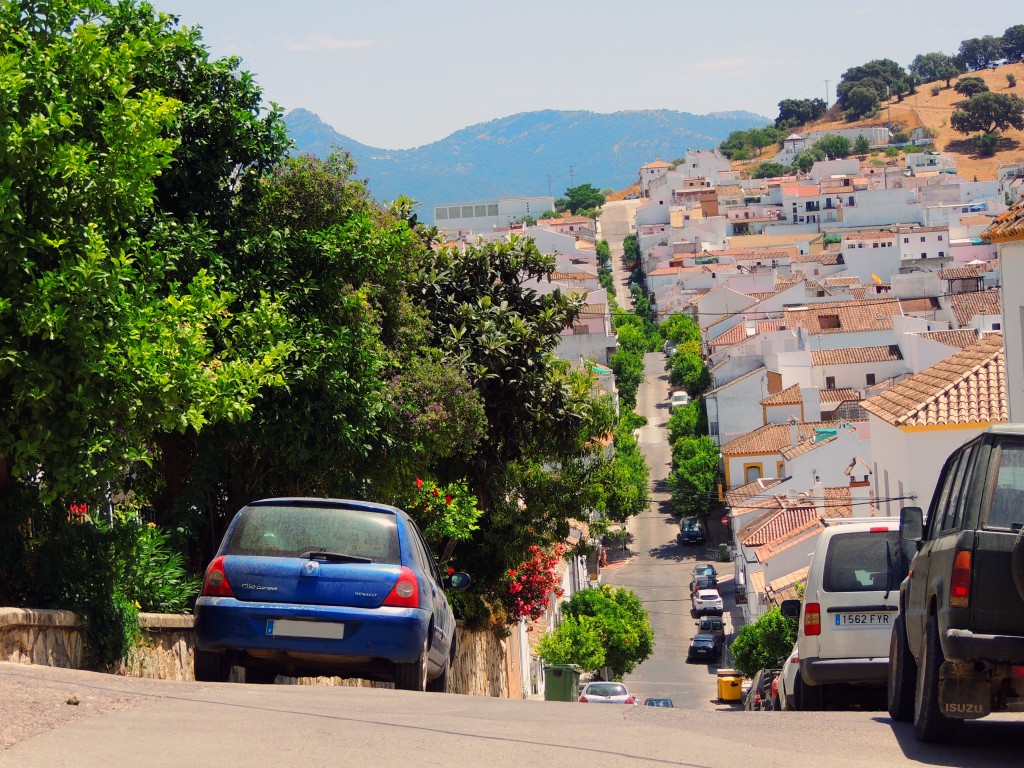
315 629
863 620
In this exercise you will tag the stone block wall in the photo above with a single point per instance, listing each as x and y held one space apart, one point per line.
483 666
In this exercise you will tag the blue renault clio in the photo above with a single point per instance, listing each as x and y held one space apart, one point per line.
306 586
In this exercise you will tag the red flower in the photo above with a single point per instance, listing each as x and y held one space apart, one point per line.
435 491
419 483
448 499
451 571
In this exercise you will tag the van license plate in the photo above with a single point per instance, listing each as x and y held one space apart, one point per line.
313 629
863 620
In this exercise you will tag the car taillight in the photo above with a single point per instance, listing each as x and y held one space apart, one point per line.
631 700
216 583
812 619
960 584
406 592
879 529
583 700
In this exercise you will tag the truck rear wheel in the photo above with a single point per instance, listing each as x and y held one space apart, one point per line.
929 723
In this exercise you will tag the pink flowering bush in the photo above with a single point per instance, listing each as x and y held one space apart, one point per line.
527 590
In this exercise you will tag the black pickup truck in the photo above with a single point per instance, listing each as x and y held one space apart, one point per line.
957 646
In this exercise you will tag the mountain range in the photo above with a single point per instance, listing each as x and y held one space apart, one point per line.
529 154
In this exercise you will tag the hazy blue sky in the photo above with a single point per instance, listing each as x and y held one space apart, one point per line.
401 73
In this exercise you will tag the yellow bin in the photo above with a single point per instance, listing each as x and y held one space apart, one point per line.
730 685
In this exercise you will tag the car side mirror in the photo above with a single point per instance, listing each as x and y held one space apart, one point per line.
458 580
911 524
790 609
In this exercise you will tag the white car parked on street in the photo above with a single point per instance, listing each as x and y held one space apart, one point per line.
707 601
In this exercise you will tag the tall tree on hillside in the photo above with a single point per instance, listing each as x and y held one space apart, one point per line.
989 112
934 66
969 86
1013 43
583 197
979 52
877 77
799 112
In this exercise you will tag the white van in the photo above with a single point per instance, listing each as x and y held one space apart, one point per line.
851 599
679 399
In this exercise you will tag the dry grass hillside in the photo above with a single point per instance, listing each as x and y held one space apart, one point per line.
933 111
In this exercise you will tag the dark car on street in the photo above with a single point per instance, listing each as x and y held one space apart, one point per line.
704 648
307 587
690 532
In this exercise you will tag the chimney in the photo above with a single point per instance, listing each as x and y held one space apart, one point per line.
861 495
812 403
794 432
818 495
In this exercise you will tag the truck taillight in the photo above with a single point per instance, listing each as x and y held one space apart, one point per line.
812 619
960 584
216 583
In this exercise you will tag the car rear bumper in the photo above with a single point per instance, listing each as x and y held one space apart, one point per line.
964 645
815 671
240 628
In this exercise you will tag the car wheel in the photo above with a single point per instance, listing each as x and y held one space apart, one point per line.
211 667
902 674
807 698
929 723
440 683
413 676
1017 563
259 676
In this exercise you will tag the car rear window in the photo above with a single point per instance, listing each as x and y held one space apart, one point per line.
1006 504
288 531
607 689
865 561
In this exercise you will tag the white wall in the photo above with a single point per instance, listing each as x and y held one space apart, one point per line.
737 407
1011 262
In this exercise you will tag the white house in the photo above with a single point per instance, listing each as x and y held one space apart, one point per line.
917 423
485 215
1007 232
734 408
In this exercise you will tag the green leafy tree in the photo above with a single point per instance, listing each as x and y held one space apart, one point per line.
979 52
577 640
623 622
834 145
583 197
861 146
769 170
686 369
679 328
736 146
1013 43
1011 80
969 86
989 113
934 66
684 422
876 78
693 476
761 644
794 112
986 143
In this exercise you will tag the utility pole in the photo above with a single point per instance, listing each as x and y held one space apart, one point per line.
572 175
549 185
826 92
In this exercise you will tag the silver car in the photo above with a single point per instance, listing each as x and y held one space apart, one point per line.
606 693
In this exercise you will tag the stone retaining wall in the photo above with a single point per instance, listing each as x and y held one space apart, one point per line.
164 651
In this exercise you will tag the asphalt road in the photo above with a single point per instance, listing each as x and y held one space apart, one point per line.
188 724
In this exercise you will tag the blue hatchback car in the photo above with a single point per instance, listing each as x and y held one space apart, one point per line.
306 586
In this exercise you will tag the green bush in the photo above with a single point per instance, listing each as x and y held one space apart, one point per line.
760 645
621 619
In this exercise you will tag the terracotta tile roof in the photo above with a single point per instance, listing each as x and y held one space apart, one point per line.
791 523
792 396
776 524
865 315
657 164
785 587
1007 226
962 337
734 335
594 310
842 281
966 388
923 304
825 258
978 219
770 241
789 396
737 496
806 446
869 236
783 284
765 326
967 305
803 190
729 189
764 254
853 355
665 271
759 295
773 438
757 582
958 273
840 395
